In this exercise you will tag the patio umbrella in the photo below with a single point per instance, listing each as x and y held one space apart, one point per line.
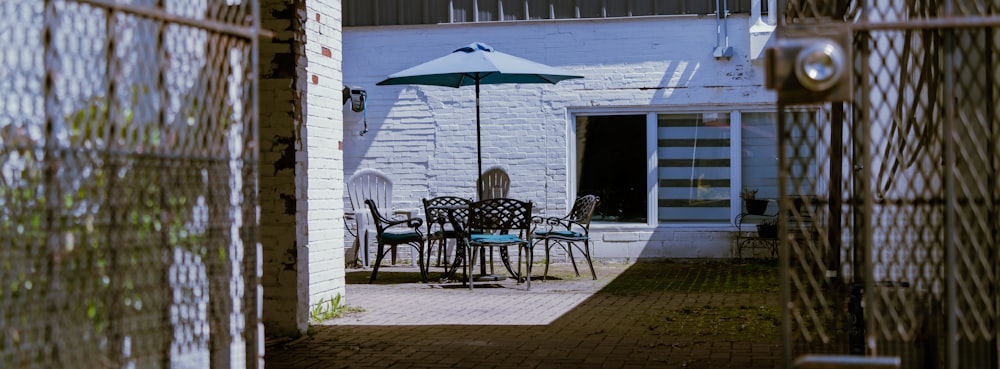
477 64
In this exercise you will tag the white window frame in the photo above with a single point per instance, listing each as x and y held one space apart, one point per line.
652 184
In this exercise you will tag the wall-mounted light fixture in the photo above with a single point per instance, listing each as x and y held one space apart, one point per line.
359 100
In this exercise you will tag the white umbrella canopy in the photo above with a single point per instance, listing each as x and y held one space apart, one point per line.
477 64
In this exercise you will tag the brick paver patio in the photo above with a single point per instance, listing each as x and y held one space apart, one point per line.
569 322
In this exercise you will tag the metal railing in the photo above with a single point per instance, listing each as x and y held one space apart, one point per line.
128 176
891 193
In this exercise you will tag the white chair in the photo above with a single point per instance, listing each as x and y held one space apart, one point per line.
495 183
376 186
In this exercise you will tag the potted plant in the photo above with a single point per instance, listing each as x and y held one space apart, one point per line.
768 229
754 205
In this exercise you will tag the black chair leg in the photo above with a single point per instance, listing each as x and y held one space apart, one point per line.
470 265
548 259
378 261
505 259
443 253
527 269
590 262
421 263
449 270
568 246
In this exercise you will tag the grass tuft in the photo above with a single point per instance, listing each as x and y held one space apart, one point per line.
328 309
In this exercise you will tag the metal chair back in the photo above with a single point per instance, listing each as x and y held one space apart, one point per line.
394 232
501 215
500 222
583 210
437 218
439 226
568 232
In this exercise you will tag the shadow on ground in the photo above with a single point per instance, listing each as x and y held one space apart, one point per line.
403 275
649 315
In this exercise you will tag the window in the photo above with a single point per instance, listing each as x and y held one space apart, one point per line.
399 12
760 155
611 165
702 160
693 155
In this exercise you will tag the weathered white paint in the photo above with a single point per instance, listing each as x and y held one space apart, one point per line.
424 136
320 211
302 226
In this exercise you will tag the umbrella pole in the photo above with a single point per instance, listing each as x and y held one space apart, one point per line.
479 147
479 182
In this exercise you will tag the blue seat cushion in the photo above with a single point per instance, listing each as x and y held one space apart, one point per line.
392 237
563 234
495 238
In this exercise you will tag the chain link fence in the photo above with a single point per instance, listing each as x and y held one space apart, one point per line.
892 198
128 178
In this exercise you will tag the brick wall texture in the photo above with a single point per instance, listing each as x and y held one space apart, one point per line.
301 185
424 136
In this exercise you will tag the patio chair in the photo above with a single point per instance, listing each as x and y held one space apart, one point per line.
376 186
495 183
572 230
392 233
439 226
504 223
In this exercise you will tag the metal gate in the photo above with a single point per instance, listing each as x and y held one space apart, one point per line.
128 179
890 171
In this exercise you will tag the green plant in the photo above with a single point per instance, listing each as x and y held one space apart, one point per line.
753 205
329 309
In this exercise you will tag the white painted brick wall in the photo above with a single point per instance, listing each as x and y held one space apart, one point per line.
424 136
321 210
300 99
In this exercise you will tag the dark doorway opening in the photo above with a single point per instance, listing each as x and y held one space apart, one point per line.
611 163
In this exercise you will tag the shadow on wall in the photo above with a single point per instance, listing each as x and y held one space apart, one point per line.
641 242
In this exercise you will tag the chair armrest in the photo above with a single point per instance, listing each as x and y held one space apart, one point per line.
563 223
405 213
548 222
411 222
557 221
348 219
537 220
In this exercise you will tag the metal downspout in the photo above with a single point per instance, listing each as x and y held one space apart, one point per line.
722 49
